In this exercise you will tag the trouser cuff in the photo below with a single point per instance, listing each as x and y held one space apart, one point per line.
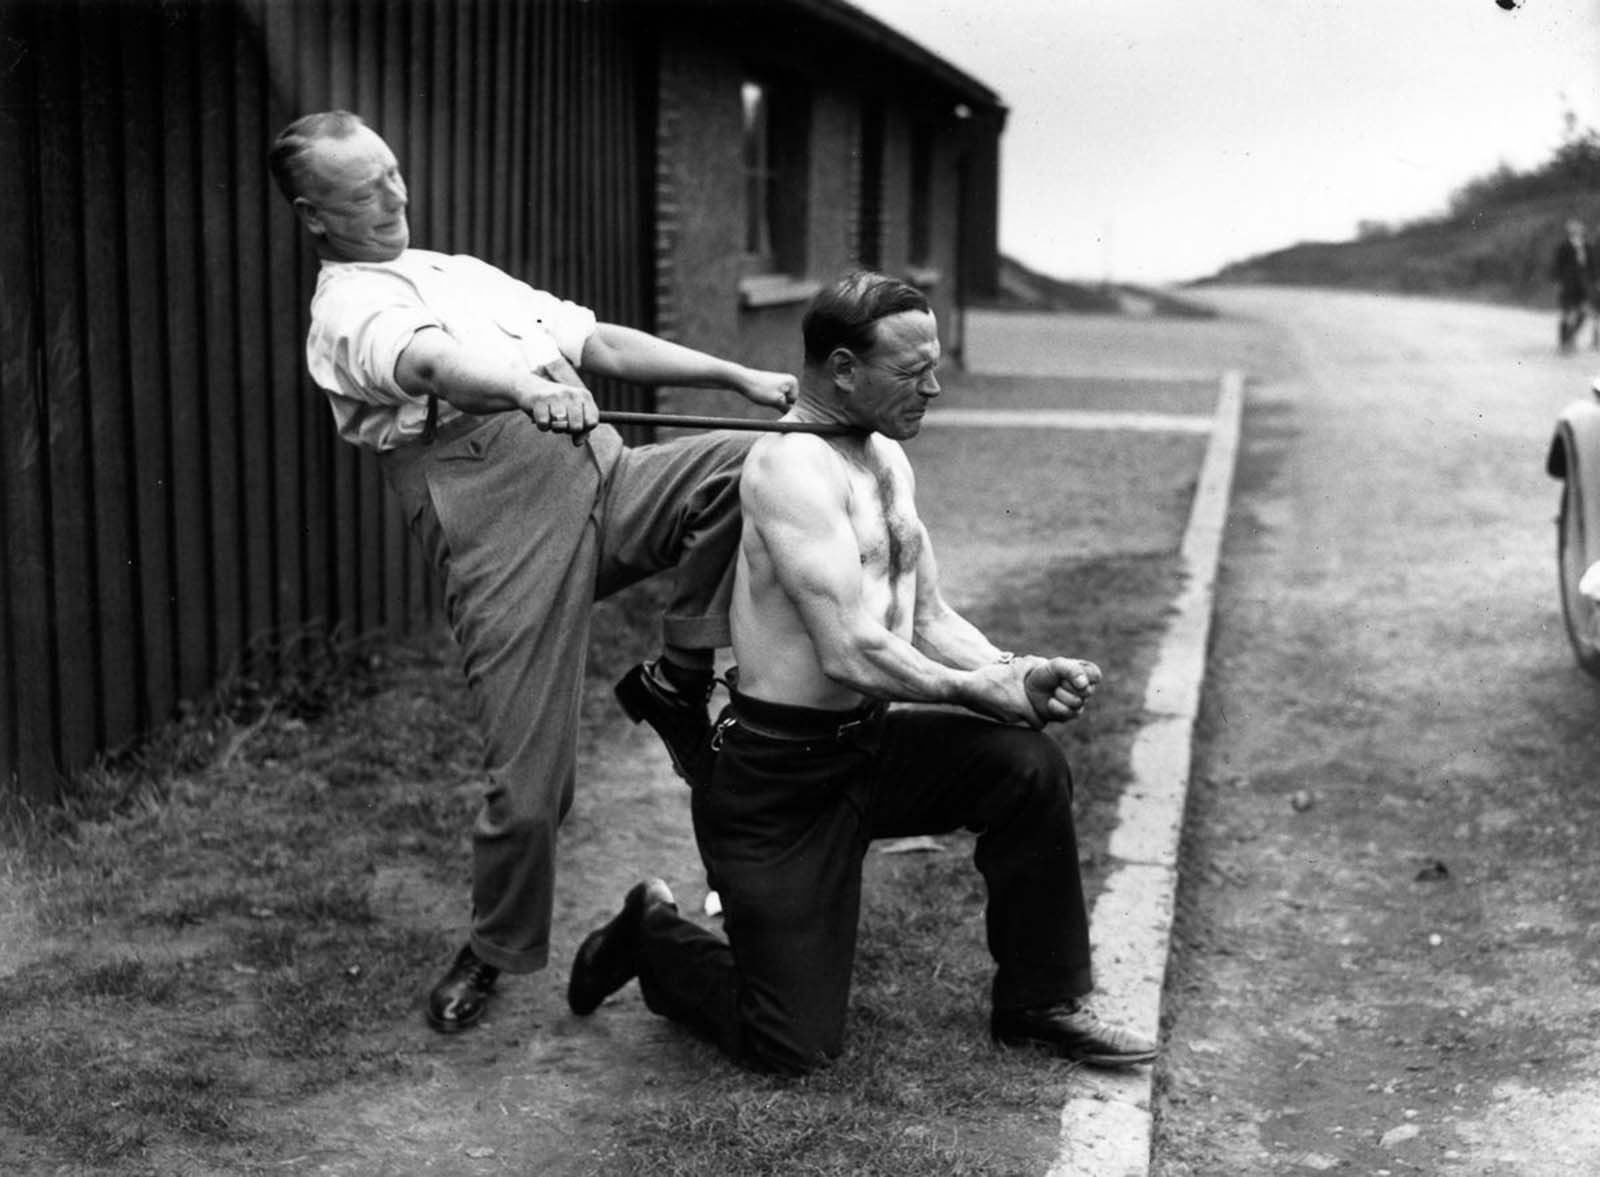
1020 994
696 633
530 960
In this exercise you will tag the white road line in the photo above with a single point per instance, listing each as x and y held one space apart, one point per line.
1106 1130
1071 419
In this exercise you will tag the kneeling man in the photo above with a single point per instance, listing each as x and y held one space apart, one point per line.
837 613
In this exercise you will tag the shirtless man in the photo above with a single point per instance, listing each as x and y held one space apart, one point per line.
836 613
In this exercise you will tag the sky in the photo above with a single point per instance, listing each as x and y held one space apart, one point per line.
1157 140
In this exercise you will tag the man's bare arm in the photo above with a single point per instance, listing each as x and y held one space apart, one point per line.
629 354
794 498
434 364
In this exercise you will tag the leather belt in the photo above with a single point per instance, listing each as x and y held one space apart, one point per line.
806 730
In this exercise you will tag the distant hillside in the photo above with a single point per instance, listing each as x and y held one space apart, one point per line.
1025 289
1494 243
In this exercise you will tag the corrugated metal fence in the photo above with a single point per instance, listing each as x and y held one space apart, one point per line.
172 487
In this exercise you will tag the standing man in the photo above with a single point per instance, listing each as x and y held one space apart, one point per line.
1572 269
458 375
836 613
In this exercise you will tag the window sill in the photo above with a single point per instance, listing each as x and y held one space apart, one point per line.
924 277
769 290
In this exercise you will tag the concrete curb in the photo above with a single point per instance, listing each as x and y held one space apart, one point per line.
1107 1128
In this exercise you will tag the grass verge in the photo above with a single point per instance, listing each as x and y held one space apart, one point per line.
210 929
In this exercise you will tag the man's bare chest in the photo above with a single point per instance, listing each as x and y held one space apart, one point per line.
884 519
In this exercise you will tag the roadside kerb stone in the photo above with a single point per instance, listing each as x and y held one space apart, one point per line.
1106 1130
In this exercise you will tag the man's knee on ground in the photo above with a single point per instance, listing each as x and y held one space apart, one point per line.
780 1056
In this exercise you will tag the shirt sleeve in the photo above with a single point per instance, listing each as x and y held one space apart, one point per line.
361 321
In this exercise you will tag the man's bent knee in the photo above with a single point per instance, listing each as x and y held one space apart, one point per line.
1036 762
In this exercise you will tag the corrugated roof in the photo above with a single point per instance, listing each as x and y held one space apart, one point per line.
867 29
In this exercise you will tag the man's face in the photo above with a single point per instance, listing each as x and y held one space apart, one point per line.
356 202
895 379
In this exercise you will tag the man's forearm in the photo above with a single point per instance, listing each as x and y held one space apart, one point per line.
885 666
437 367
628 354
951 639
880 664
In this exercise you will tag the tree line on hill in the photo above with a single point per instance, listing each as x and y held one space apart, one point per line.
1494 241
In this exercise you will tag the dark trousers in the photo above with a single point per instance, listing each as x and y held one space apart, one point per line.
783 828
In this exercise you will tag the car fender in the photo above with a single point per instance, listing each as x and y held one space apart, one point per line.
1575 456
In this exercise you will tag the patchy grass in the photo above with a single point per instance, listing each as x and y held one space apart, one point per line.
1119 610
206 900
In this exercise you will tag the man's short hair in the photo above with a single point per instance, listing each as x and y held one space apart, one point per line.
287 159
845 312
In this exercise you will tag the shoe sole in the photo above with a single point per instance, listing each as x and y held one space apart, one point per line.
1110 1061
455 1025
581 1004
640 899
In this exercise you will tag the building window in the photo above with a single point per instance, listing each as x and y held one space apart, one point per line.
777 151
757 169
919 217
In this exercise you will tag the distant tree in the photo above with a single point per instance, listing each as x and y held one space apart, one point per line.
1577 160
1486 190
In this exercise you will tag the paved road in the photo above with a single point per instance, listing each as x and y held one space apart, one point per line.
1387 955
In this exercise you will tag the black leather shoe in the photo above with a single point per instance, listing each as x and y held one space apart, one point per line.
680 720
608 958
1073 1031
462 994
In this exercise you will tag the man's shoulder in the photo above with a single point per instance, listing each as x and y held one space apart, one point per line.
401 278
780 452
340 275
786 466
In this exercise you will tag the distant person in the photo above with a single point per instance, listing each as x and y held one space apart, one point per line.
1573 271
1594 298
465 383
836 613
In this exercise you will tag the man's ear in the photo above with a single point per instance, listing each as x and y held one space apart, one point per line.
309 216
842 364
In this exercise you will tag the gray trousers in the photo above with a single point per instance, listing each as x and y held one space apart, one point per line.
527 531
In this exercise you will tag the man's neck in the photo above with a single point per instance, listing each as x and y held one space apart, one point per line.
819 404
337 259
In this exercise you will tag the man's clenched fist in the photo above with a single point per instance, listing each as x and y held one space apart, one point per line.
1059 688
